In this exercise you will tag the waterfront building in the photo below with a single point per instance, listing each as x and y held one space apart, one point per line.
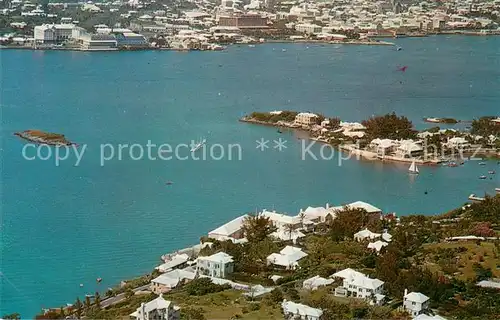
287 235
97 42
318 214
157 309
382 146
415 303
168 281
308 28
306 119
243 21
232 229
292 310
131 40
288 257
218 265
409 149
365 234
53 33
358 285
176 262
457 143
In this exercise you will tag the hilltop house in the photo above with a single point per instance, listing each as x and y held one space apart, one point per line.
358 285
157 309
415 303
218 265
176 262
377 245
316 282
318 214
281 220
365 206
292 310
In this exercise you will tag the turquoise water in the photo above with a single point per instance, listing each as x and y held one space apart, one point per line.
66 225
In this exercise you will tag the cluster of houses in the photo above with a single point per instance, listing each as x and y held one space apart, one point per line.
330 21
179 269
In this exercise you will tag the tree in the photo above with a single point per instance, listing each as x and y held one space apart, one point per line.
289 228
349 221
482 273
129 293
78 307
15 316
389 126
276 296
257 228
97 300
483 229
191 313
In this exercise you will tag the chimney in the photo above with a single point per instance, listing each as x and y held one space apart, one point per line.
406 293
328 206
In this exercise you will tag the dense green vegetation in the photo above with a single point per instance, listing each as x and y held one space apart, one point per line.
389 126
287 116
485 127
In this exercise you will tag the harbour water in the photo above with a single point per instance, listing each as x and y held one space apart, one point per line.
65 225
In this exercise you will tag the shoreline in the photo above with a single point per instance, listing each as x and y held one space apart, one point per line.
372 156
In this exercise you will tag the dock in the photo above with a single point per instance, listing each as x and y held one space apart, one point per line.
475 198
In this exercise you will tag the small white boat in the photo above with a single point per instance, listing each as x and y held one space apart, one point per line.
413 168
198 145
251 46
482 177
497 190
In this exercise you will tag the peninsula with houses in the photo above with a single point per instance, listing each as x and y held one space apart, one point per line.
391 137
348 261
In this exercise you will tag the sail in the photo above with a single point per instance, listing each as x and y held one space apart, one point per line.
413 168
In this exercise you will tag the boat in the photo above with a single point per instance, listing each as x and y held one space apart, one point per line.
168 183
491 172
413 168
452 164
482 177
251 46
473 197
99 280
497 190
198 145
399 48
482 163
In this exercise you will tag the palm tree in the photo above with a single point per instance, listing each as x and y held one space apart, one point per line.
97 300
257 228
302 216
87 303
78 307
290 228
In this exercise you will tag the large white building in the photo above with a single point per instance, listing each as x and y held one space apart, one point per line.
168 281
53 33
287 258
358 285
415 303
218 265
306 118
157 309
232 229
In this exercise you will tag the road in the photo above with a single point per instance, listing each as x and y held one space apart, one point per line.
120 297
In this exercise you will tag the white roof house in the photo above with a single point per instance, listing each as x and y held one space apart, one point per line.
217 265
318 213
280 220
386 236
415 303
232 229
174 262
286 235
170 280
364 205
426 317
489 284
219 257
358 285
158 308
316 282
291 309
377 245
288 257
365 234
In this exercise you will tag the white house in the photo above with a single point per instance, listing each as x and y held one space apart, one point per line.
377 245
306 118
232 229
288 257
382 146
157 309
387 237
426 317
168 281
409 149
457 143
308 28
281 220
316 282
177 261
287 235
365 234
358 285
415 303
293 310
364 205
318 214
218 265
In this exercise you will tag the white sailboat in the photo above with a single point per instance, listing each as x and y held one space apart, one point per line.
198 145
413 168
